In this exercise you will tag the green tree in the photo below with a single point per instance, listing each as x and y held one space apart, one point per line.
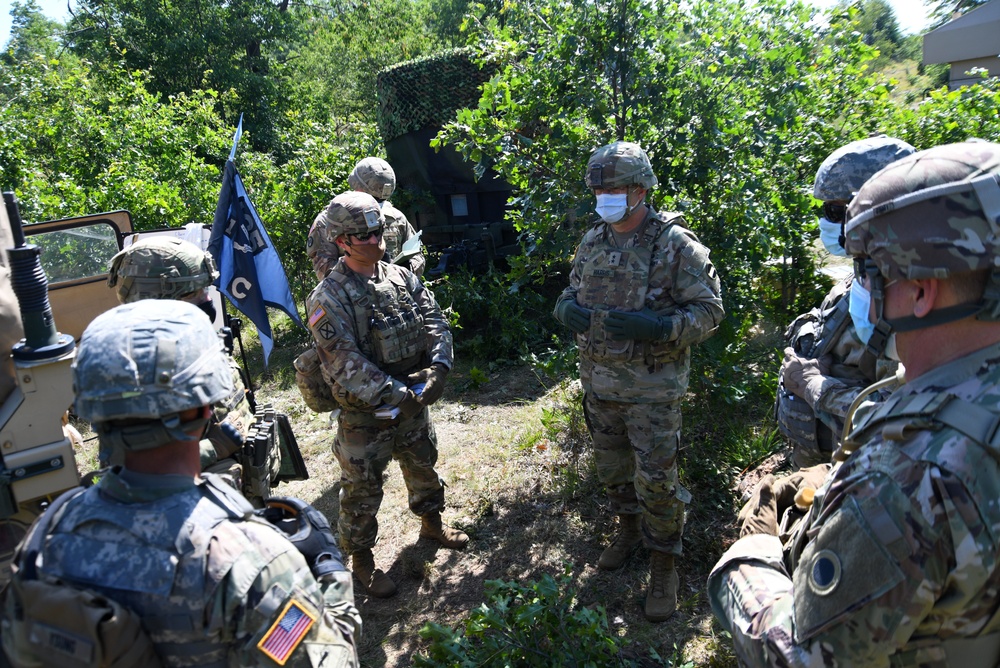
877 22
333 72
31 33
189 45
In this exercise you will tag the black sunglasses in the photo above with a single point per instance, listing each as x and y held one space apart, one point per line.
368 235
835 213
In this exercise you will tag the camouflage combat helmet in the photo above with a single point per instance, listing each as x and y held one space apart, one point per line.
352 213
375 177
933 214
160 268
844 172
145 363
620 164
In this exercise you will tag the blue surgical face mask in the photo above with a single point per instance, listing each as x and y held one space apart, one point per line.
860 303
829 234
612 208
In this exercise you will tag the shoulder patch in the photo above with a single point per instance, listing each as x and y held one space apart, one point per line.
316 315
287 632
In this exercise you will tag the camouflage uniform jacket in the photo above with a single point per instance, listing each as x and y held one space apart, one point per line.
207 577
851 368
324 253
898 561
681 285
341 310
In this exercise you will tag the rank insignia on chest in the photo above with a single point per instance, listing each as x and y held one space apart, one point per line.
614 258
287 632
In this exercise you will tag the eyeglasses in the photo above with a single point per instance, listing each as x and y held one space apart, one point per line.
362 238
835 213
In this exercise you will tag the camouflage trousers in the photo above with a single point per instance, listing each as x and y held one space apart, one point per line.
364 446
635 448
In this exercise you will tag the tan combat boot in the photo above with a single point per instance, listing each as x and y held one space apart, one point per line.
375 582
621 548
431 527
661 599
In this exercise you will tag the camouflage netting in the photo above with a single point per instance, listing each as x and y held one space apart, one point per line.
427 91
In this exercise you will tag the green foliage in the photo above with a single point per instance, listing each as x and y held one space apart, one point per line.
538 624
493 317
76 142
945 116
334 72
31 33
736 103
188 45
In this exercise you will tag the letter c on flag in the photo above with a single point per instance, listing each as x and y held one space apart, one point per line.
240 287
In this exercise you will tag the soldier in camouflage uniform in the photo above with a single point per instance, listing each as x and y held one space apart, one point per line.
213 583
642 291
826 365
169 268
375 177
381 338
897 561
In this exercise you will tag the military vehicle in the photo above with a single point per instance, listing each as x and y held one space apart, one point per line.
459 212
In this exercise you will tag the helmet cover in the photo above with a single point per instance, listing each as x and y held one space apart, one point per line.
352 213
160 268
148 360
933 214
845 170
373 176
620 164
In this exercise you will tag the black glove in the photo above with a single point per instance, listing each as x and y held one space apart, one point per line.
410 405
308 530
574 316
642 325
434 384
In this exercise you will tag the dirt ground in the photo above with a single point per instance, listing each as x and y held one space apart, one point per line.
520 483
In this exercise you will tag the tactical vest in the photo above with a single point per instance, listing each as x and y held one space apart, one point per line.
389 328
812 335
157 566
617 279
53 624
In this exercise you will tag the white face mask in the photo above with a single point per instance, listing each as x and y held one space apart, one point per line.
612 208
829 234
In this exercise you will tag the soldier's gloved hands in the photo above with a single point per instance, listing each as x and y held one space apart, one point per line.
773 497
803 376
410 405
642 325
574 316
308 530
434 384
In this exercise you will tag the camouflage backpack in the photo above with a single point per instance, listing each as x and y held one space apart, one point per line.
312 386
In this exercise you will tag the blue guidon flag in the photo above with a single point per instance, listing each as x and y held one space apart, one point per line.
251 275
286 633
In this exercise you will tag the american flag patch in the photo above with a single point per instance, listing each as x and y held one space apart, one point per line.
287 632
317 314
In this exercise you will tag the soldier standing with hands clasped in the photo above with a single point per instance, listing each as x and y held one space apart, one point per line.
896 562
212 584
642 291
385 350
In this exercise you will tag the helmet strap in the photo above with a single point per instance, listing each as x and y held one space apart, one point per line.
154 433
